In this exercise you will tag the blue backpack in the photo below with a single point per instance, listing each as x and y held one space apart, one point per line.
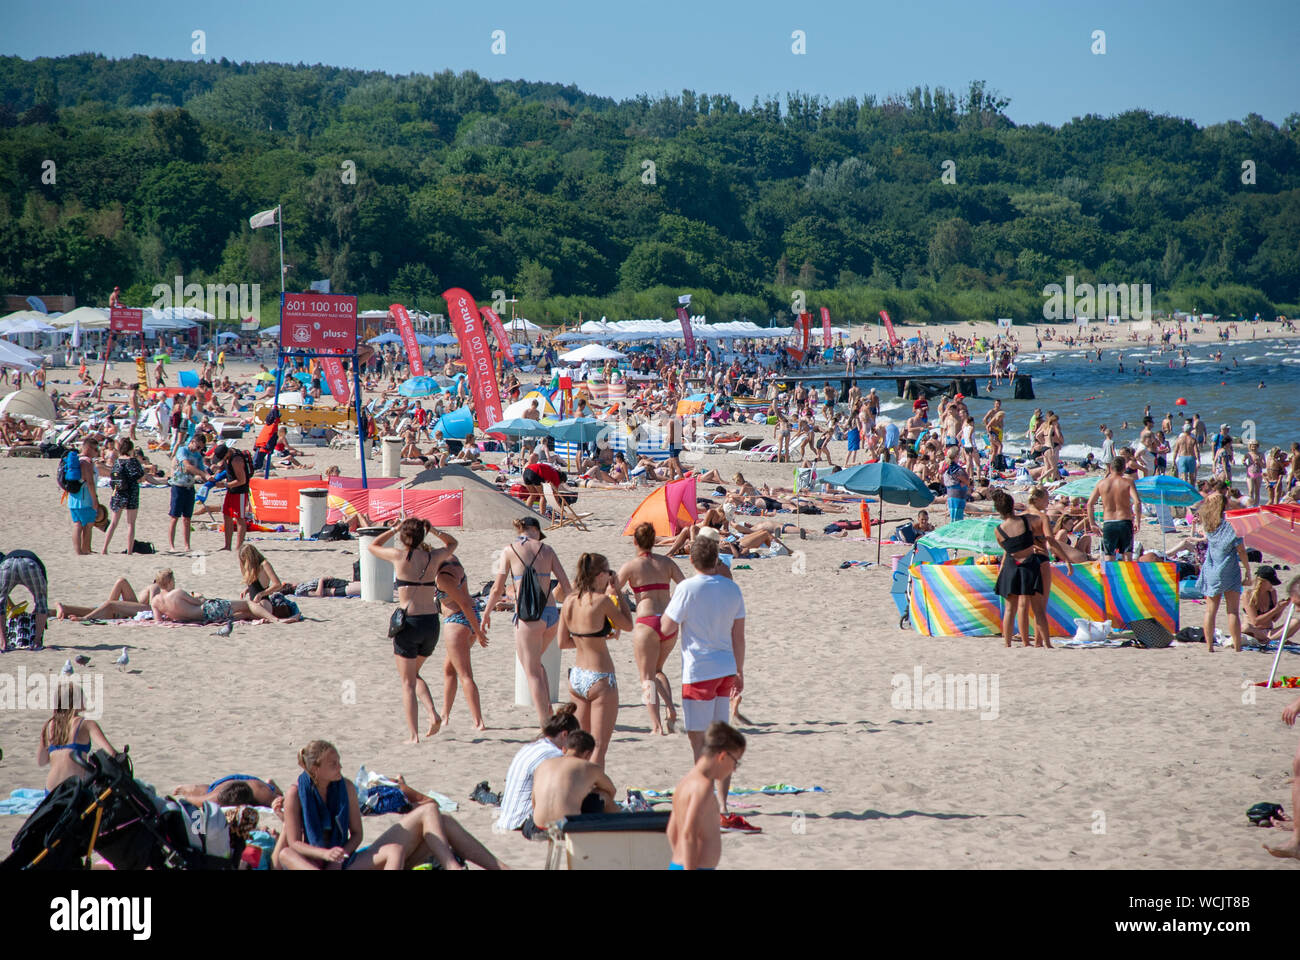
69 473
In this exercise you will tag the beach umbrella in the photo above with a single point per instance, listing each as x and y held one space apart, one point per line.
227 335
976 534
164 357
10 356
1082 487
519 427
29 403
578 430
1272 529
888 481
385 338
1171 492
14 324
265 375
592 351
419 387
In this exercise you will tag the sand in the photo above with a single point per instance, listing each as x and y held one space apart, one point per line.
1097 758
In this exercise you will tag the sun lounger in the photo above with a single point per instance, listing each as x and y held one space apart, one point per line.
610 841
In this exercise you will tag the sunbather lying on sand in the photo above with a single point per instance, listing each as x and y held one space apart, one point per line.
235 790
182 607
122 600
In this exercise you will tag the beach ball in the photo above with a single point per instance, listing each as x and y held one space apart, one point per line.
1180 402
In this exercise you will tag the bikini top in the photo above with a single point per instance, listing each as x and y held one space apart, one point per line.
650 586
73 746
398 582
604 631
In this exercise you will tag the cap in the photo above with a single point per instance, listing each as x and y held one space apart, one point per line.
959 396
710 533
1268 573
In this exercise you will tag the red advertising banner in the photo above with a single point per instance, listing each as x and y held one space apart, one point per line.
889 328
347 497
276 501
442 508
805 329
499 331
125 320
332 368
826 327
687 333
326 322
406 330
468 324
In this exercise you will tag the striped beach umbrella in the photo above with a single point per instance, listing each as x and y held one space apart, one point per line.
1273 529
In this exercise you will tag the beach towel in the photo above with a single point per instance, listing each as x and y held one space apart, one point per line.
771 790
324 823
22 802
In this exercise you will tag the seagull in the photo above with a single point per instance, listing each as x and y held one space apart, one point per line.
227 630
83 659
122 660
67 668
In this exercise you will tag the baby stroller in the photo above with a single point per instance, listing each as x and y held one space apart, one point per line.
125 822
898 589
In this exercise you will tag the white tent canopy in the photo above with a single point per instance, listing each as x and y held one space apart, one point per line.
519 323
14 324
29 403
90 318
592 351
660 329
16 358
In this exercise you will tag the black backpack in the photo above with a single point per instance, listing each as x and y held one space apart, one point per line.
530 599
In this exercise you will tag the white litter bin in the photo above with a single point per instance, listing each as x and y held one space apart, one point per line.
551 661
392 453
313 505
376 575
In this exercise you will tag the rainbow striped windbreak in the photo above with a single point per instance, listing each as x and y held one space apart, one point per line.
958 599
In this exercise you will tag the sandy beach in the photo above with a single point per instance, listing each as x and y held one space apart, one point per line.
1097 758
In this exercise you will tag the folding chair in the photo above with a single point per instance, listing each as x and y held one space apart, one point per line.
561 513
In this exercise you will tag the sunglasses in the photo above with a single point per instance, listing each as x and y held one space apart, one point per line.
734 759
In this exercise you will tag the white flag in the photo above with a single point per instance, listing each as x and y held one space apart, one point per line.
264 219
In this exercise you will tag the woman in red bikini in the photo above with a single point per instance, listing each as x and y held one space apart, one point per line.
651 576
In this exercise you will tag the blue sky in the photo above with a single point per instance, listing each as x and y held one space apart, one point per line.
1210 61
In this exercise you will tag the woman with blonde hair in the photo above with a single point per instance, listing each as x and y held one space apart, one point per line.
651 577
260 578
322 827
66 738
591 614
1225 569
532 637
416 566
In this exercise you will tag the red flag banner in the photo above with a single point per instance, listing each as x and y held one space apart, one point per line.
499 331
687 333
468 324
332 368
889 328
442 508
826 327
406 330
805 329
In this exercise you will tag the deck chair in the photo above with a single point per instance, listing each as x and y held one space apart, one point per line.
562 514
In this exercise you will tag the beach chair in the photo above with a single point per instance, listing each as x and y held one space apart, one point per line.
763 453
562 515
610 841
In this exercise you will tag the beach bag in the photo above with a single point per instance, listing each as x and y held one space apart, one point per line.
530 603
1086 631
69 472
51 450
143 546
397 622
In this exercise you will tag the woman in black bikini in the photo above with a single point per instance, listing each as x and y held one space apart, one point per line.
591 680
416 568
66 739
1020 579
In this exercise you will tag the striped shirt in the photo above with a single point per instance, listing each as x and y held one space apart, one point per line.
517 797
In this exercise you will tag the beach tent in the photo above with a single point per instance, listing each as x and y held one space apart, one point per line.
520 406
670 508
695 403
456 425
29 403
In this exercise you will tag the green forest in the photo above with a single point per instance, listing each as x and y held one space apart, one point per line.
929 203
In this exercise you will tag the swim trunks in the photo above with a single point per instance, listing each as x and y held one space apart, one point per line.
707 701
1187 463
419 637
83 515
216 611
1116 537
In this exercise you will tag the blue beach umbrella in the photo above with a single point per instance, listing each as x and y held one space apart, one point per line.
888 481
385 338
1171 492
578 430
419 387
519 427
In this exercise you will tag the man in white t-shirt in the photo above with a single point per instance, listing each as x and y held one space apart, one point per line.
709 612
